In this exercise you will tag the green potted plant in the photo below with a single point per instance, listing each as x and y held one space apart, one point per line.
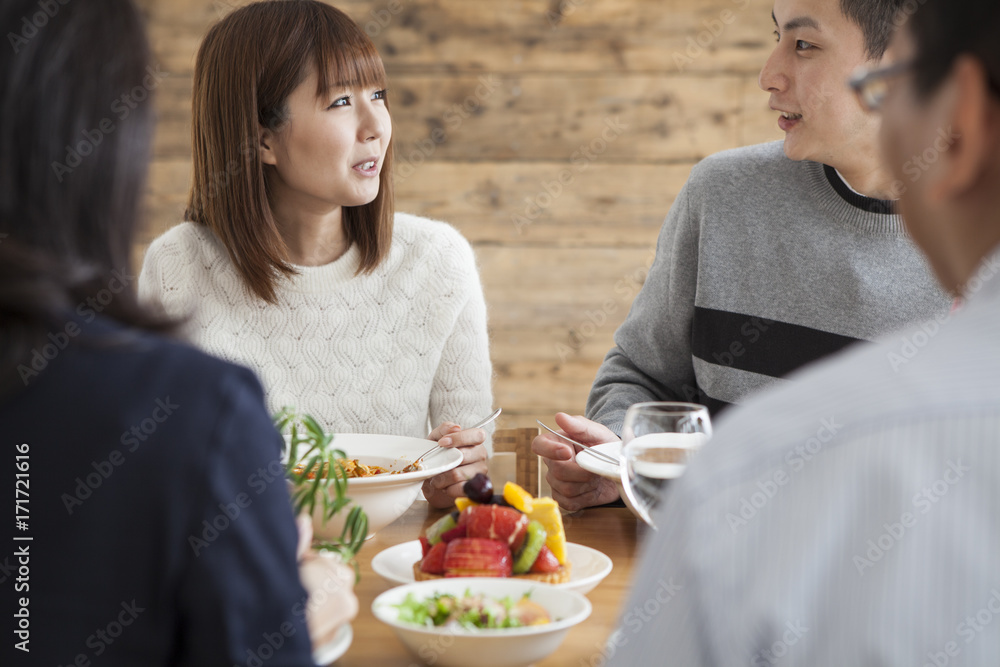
318 480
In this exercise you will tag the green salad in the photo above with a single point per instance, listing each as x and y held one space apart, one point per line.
471 611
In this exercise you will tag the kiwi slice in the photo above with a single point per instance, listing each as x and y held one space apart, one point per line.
442 525
533 544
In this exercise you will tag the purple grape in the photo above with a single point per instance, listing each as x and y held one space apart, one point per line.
500 500
479 489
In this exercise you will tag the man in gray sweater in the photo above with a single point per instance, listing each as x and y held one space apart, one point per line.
850 519
772 256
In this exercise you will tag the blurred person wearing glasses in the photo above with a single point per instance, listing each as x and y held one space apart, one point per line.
143 530
851 519
772 256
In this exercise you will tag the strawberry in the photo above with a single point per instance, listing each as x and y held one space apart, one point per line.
425 546
494 522
433 562
457 531
545 563
475 557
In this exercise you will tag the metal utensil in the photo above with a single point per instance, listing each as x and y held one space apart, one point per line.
479 424
586 448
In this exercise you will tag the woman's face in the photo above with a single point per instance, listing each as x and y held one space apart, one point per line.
330 150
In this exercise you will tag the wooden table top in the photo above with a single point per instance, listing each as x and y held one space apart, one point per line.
615 531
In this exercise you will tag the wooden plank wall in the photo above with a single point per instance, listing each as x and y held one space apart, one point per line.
565 129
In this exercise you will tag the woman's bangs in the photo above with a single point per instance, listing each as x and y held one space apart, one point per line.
347 59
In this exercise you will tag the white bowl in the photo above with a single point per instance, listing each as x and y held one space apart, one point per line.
506 647
384 498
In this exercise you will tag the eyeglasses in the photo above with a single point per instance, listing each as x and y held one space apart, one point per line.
872 85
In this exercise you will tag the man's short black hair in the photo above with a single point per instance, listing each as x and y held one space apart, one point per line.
946 29
875 18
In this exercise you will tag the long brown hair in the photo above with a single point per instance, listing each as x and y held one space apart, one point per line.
248 65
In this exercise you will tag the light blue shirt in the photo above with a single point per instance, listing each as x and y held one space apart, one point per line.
849 518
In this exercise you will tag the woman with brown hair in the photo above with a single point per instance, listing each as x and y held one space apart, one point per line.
294 262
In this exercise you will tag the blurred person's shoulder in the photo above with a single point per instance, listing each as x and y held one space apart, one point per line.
127 366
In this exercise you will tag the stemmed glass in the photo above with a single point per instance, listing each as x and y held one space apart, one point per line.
658 440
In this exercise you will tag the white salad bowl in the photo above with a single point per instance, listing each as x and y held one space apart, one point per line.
503 647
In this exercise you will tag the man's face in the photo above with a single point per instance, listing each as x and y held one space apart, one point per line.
817 51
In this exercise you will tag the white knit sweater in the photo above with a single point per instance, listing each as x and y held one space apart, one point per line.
393 352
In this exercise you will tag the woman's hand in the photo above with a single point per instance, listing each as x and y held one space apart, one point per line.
442 489
330 584
573 487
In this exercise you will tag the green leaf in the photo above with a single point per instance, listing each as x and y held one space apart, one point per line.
328 493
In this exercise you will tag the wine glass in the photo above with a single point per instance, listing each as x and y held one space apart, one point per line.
658 440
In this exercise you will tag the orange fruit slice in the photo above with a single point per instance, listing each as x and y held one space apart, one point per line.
518 498
462 503
546 512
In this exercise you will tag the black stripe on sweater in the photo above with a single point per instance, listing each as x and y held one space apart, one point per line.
759 345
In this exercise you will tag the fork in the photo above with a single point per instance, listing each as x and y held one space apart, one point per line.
479 424
586 448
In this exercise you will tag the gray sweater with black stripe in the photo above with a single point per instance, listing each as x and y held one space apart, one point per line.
762 266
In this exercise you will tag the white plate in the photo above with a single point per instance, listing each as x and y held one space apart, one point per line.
336 647
590 566
599 466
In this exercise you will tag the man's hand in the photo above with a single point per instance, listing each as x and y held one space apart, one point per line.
442 490
573 487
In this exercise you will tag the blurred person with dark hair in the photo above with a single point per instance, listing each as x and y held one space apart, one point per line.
293 260
153 523
772 256
850 519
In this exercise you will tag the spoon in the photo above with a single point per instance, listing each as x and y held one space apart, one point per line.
479 424
586 448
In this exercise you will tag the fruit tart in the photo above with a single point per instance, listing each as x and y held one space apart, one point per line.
487 535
